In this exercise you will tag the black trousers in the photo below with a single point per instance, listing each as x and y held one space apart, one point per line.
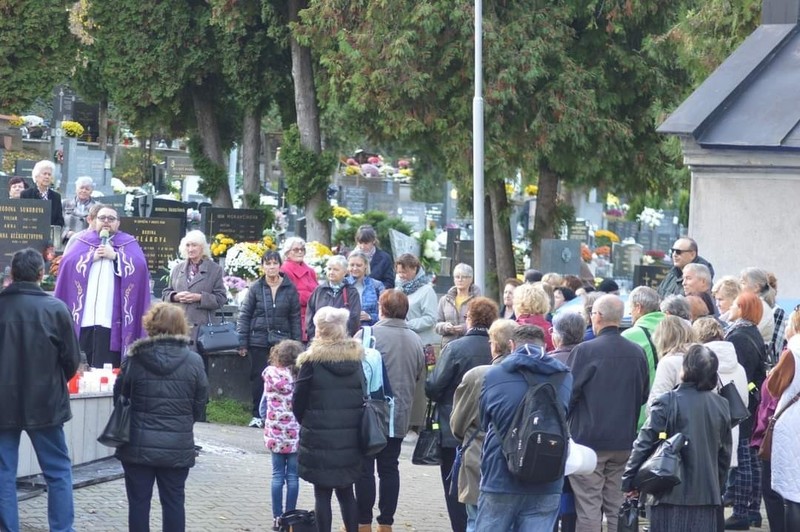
773 502
95 341
347 503
258 363
389 489
455 510
171 492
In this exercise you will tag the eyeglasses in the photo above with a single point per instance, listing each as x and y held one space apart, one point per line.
107 218
680 251
298 250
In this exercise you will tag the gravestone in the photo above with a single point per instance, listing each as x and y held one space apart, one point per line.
413 213
435 214
142 206
159 239
625 257
179 166
664 242
579 230
647 239
24 167
355 199
240 224
650 275
465 253
117 202
167 208
402 243
561 256
379 201
623 228
23 223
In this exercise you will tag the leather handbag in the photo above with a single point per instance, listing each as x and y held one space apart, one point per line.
738 409
297 521
117 431
765 451
216 338
427 450
274 337
662 471
628 516
374 429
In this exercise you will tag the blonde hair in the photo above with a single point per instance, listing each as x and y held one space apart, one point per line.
165 318
707 329
530 299
500 332
726 288
672 335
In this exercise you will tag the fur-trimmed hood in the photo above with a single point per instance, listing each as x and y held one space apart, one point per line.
326 351
161 354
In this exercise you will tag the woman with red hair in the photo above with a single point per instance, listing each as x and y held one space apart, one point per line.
745 313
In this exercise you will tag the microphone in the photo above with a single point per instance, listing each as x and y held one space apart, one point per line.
104 237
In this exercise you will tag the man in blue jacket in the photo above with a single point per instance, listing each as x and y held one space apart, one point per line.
506 503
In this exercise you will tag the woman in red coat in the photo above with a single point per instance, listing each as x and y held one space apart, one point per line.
301 274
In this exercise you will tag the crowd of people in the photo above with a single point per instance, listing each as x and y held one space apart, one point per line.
622 386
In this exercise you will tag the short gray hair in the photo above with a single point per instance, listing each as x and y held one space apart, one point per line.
194 237
463 269
570 327
41 165
645 297
83 180
357 253
700 270
289 243
675 305
337 259
611 309
331 323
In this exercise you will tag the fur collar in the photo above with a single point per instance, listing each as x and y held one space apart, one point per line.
146 343
347 350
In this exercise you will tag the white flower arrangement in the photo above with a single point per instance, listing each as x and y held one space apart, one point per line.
650 217
243 260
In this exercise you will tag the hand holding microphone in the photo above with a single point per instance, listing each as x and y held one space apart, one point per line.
104 251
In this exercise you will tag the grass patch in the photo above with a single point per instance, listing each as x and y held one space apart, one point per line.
228 412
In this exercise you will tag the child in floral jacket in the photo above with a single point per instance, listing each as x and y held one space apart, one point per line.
281 430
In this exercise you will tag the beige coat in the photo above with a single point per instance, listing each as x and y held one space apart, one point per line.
208 283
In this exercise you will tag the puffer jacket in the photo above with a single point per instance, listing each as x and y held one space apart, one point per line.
168 389
730 371
458 357
369 298
40 353
703 417
324 296
328 402
448 314
258 316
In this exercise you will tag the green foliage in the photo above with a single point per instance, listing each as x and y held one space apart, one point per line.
214 176
36 50
307 173
377 219
228 412
133 166
683 207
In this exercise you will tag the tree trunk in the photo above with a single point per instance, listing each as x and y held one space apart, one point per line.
208 129
305 100
501 232
251 147
545 211
102 134
490 248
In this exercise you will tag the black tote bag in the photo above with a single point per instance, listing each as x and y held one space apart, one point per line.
118 429
427 451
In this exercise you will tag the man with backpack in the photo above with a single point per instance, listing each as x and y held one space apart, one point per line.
646 315
611 385
523 411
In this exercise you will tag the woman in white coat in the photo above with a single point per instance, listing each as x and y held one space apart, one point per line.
709 332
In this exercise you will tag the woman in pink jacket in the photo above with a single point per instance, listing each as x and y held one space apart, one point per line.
301 274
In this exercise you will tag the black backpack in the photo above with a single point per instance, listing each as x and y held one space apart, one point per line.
537 443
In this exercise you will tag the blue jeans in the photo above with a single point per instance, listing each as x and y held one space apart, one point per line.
284 471
472 516
512 511
51 451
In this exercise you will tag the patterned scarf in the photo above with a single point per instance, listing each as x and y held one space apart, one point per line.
738 324
413 285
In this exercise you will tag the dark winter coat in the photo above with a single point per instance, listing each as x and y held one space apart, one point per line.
39 353
381 268
610 386
56 207
751 354
347 298
703 417
327 403
168 390
672 284
457 358
259 314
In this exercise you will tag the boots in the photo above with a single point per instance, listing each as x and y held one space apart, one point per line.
384 528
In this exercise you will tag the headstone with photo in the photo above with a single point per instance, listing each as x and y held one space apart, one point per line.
159 239
23 223
355 199
561 256
624 258
651 275
242 225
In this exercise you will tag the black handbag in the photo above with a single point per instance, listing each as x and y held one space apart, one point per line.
738 409
297 521
118 429
273 337
374 430
628 516
662 471
216 338
428 451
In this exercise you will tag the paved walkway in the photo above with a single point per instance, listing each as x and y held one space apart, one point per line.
229 490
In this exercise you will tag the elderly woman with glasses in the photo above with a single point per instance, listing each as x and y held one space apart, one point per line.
335 292
77 209
43 177
451 322
301 274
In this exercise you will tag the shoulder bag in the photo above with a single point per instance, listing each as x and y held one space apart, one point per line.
765 451
297 521
273 336
118 429
217 338
427 450
738 409
662 471
374 429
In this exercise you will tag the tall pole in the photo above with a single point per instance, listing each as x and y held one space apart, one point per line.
477 154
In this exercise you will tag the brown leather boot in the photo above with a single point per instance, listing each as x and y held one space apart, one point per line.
384 528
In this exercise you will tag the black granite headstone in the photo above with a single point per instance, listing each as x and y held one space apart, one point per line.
166 208
117 202
579 230
24 167
240 224
650 275
159 239
179 167
23 223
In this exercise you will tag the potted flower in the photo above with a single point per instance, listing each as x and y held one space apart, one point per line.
604 237
651 256
430 251
650 217
72 129
341 214
220 245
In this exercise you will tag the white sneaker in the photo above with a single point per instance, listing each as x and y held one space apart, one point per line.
411 437
256 422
